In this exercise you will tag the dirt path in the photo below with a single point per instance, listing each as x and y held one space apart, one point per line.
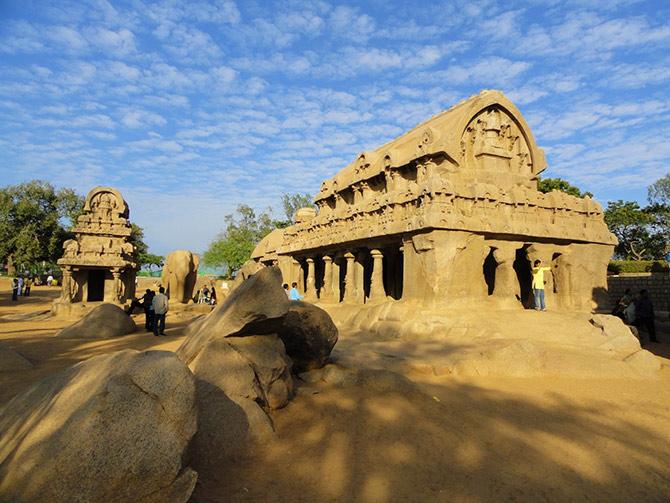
375 435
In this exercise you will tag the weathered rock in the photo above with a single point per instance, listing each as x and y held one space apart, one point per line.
13 360
112 428
309 335
254 307
618 334
271 365
644 362
236 377
106 320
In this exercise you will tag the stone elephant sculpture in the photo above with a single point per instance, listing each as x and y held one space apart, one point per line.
180 273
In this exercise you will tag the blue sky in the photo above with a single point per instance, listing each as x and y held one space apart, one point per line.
190 108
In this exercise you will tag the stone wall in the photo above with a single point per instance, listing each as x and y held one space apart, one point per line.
658 285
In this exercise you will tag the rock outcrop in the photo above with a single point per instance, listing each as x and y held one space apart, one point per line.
241 369
309 335
106 320
113 428
12 360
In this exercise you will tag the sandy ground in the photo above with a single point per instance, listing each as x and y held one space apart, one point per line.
405 435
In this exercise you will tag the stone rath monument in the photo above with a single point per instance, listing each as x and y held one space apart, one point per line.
98 264
447 214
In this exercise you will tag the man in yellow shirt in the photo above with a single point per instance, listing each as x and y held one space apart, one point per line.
538 284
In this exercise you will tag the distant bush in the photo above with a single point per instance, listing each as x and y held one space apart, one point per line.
623 266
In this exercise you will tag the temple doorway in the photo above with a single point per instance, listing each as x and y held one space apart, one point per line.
96 285
524 276
489 270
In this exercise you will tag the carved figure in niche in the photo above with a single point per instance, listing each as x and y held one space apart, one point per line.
71 248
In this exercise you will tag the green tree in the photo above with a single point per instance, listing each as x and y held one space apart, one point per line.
659 191
292 203
35 219
142 255
242 233
548 184
630 224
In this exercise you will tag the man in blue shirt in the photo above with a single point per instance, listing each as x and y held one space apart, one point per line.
293 294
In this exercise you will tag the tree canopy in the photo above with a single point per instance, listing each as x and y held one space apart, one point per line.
643 232
245 229
35 220
548 184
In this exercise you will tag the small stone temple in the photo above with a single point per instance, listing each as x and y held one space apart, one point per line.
98 264
447 214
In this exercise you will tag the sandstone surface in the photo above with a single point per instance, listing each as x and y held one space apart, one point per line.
12 360
112 428
106 320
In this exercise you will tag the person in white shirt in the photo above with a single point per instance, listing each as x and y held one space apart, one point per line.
160 305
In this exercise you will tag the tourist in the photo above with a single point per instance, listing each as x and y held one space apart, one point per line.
15 289
538 284
50 280
27 285
286 290
293 294
204 298
160 308
644 315
20 286
212 295
147 299
622 304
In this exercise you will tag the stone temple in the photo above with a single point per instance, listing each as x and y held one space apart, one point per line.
98 264
447 214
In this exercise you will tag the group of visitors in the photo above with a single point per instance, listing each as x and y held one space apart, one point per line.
21 287
637 310
206 295
293 293
155 307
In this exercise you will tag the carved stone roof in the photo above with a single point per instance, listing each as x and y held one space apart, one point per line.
473 135
102 233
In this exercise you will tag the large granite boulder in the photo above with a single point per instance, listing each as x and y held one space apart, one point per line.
112 428
255 307
309 335
237 378
106 320
241 369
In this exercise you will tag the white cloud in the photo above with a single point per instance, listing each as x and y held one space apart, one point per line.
141 119
119 43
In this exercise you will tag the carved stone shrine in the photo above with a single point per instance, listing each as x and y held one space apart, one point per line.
98 264
447 214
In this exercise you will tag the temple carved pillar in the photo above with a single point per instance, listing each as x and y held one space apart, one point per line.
294 274
335 279
326 286
66 289
310 291
359 276
377 281
117 287
506 283
349 279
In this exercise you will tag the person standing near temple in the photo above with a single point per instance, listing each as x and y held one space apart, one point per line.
160 305
15 289
20 280
27 286
644 315
538 284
